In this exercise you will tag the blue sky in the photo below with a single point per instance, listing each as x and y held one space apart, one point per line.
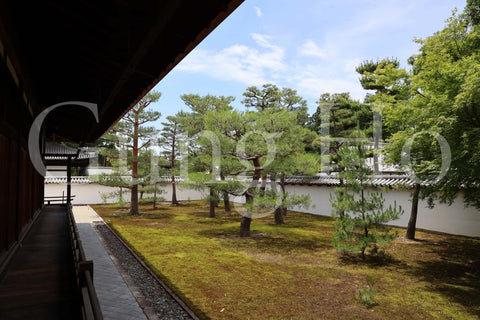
312 46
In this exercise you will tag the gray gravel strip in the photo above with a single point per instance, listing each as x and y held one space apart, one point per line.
156 302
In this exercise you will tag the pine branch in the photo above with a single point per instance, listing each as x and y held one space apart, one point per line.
144 121
131 135
127 118
145 144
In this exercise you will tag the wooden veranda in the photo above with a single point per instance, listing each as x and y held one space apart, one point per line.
108 54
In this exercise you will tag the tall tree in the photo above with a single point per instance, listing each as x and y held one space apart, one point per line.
386 78
272 97
391 85
393 91
291 160
472 12
201 157
233 127
291 155
170 138
250 139
401 115
134 135
446 79
106 150
443 102
424 164
337 118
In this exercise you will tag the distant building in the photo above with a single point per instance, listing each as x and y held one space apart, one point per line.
56 155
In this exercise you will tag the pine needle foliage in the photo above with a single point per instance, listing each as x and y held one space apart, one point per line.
358 207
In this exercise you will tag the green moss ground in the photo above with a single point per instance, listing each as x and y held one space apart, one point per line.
292 271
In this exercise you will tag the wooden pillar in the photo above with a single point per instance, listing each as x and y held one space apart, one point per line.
69 179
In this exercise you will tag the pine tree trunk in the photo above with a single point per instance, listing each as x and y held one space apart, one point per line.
212 204
263 185
279 212
341 213
134 200
246 218
226 198
174 191
365 228
284 195
155 196
362 254
245 227
172 166
377 133
412 222
120 195
134 190
212 210
226 202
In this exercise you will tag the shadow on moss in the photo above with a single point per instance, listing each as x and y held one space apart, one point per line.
457 274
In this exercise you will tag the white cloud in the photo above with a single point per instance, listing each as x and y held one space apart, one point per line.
330 75
310 49
258 12
316 86
248 65
265 62
262 40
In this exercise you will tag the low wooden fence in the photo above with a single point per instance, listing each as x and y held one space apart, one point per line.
84 273
57 199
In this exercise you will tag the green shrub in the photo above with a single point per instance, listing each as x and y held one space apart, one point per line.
366 294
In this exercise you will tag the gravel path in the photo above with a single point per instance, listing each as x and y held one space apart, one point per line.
152 297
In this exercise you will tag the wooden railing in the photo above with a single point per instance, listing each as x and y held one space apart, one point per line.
57 199
84 273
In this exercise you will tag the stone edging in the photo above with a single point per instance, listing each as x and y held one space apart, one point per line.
148 310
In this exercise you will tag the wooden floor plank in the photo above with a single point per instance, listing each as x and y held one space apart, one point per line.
40 281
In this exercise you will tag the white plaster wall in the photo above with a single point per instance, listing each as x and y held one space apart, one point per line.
92 171
182 193
56 173
90 193
454 219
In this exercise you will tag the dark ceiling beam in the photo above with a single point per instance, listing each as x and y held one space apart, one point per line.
107 52
82 19
229 7
153 34
11 45
89 56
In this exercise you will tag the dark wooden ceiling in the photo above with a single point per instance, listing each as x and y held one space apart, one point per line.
106 52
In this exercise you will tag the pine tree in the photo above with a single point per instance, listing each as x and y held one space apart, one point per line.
201 146
337 119
131 133
291 157
170 137
361 224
